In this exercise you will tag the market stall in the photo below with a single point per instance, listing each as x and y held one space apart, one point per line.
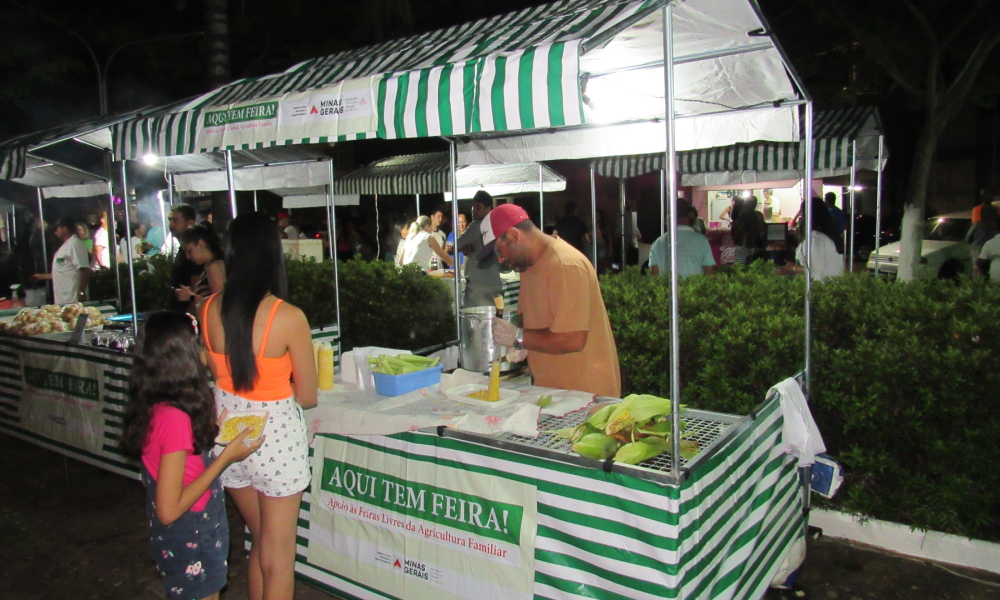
580 79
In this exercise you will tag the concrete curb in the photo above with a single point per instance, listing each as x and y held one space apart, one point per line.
932 545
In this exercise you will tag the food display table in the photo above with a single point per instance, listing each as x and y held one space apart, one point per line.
444 514
71 398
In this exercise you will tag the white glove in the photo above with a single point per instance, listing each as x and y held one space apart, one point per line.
516 356
504 332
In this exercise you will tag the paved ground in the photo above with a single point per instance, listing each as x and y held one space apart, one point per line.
68 530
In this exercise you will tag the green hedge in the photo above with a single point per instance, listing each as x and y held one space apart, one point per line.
152 284
904 377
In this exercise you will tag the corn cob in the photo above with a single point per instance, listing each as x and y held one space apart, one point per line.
635 452
636 408
599 420
596 445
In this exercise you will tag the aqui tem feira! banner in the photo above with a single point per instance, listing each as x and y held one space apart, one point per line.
418 530
341 109
62 399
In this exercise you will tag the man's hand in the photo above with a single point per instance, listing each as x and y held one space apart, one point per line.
516 356
504 332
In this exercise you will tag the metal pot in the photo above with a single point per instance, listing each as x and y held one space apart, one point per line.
477 348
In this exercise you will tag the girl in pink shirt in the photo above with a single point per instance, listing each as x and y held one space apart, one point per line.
171 424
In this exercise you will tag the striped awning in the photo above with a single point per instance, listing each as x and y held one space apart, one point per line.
57 180
431 174
833 132
509 72
12 163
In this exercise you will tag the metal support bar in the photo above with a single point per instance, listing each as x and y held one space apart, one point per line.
690 58
621 210
331 225
453 156
807 197
878 205
663 200
113 247
670 168
231 182
418 207
854 171
593 215
128 254
541 200
255 209
10 230
167 235
45 250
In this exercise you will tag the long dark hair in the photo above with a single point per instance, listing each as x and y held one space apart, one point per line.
167 368
255 266
196 233
823 222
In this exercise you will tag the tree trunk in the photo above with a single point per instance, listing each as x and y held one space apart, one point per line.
912 228
217 43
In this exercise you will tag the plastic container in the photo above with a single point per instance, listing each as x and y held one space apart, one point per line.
260 416
395 385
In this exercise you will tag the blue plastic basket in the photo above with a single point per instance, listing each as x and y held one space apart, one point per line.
395 385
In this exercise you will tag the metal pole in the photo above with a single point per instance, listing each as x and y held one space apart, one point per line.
593 215
331 224
45 250
231 182
453 155
255 201
621 210
807 195
854 171
418 207
167 236
330 203
113 244
878 205
663 199
671 175
13 225
541 199
10 230
128 253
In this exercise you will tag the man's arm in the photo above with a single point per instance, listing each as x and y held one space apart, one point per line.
544 340
84 278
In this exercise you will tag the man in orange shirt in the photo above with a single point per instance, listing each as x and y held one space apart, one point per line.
566 331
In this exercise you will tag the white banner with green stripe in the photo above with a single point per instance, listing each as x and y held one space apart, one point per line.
69 399
722 534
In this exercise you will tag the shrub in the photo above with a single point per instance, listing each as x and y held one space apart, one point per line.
903 377
152 284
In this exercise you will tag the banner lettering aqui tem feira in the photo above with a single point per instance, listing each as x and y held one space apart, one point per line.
420 530
341 109
63 399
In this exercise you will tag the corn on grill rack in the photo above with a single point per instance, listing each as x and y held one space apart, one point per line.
708 429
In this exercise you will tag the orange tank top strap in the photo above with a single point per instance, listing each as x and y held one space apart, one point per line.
267 327
204 322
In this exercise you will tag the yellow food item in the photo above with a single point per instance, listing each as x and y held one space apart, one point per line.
231 428
482 395
324 372
494 390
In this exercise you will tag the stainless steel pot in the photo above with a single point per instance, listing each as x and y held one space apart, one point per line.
477 347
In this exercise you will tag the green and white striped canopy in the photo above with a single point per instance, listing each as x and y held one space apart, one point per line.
510 72
431 174
833 132
12 163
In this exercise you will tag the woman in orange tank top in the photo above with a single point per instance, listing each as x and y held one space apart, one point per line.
260 352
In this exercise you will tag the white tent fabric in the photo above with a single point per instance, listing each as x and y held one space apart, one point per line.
263 177
313 197
57 180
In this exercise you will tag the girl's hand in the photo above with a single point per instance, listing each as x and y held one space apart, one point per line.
184 293
240 448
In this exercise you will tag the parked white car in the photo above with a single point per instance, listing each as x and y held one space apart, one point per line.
944 254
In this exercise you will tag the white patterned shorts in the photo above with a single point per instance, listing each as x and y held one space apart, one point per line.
281 466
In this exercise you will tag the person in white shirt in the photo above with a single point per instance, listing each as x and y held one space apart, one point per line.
138 239
70 265
285 226
827 246
102 256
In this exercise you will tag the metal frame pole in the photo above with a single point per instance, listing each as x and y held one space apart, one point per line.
255 209
113 244
45 249
168 238
621 210
331 224
10 230
231 182
807 194
878 205
671 183
854 170
418 207
128 253
593 214
541 199
453 156
663 200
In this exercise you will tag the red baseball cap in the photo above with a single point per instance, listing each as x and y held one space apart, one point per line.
284 216
497 223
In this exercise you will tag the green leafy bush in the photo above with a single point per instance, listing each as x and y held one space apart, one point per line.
904 377
152 284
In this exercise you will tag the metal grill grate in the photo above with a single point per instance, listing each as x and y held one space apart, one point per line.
702 427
